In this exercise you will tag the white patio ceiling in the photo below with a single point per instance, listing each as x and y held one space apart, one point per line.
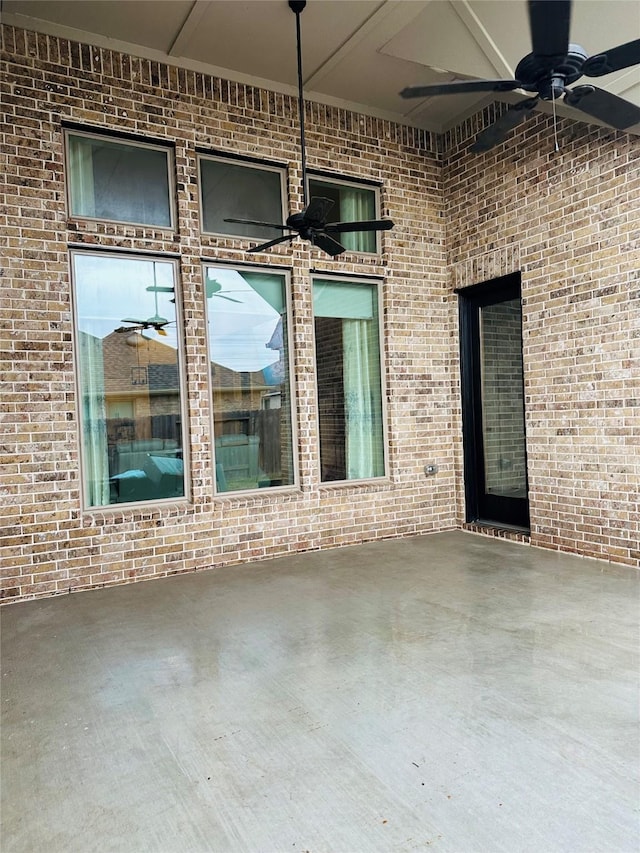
357 53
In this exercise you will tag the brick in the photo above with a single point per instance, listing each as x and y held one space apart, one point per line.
569 224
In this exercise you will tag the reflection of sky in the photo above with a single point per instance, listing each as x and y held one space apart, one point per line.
108 289
240 331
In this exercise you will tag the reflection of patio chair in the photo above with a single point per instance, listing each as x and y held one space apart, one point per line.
132 485
131 455
237 463
147 469
167 475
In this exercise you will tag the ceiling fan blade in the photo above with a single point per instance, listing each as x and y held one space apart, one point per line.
317 210
256 222
228 298
499 130
262 246
327 244
365 225
459 87
615 111
623 56
549 21
133 320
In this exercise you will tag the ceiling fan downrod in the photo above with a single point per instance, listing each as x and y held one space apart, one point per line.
310 223
297 6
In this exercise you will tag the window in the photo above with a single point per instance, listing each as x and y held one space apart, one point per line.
238 190
250 379
349 380
351 203
129 379
119 181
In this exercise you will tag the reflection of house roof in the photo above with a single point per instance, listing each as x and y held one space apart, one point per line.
225 377
120 357
160 362
163 376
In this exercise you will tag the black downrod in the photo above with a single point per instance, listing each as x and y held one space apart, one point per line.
297 6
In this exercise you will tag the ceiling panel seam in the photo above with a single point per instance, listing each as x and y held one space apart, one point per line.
189 26
482 38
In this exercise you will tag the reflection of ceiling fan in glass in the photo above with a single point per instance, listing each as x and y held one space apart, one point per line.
155 322
214 288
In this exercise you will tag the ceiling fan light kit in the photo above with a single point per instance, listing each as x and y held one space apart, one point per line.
311 222
553 65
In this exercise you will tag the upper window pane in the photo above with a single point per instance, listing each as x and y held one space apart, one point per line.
235 190
129 379
349 380
351 203
118 181
250 380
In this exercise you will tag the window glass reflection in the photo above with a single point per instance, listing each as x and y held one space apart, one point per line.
249 355
129 379
117 181
240 191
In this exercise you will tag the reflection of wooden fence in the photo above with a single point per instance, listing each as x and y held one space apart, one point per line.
166 426
263 423
266 425
149 426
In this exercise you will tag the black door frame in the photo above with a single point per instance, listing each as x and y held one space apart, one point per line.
495 510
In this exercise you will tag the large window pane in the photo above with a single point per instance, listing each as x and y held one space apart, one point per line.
249 355
351 203
349 380
129 379
116 181
240 191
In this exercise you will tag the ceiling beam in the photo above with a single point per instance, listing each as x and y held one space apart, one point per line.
482 38
190 25
624 83
403 11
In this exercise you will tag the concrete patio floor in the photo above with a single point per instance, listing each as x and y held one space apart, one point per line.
449 692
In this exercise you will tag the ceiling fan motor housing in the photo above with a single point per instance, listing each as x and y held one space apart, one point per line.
300 221
549 77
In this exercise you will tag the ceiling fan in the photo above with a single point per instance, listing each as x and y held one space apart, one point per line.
214 288
311 222
155 322
553 65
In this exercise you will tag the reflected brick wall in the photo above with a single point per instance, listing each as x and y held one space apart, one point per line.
503 399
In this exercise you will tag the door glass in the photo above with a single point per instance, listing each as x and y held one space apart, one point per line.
503 399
